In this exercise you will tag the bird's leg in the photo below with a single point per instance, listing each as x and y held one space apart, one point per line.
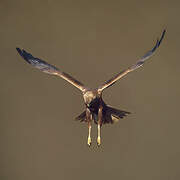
88 116
99 125
89 135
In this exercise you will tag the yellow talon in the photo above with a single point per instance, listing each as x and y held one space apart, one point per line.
89 141
98 141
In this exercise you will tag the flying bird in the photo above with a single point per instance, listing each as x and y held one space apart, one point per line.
96 109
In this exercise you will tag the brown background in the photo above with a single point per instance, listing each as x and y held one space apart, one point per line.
92 40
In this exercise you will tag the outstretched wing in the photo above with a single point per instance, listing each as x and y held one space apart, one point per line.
138 64
48 68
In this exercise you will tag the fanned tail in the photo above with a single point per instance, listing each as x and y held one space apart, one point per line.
110 115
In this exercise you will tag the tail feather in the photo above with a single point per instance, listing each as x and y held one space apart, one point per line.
81 117
113 115
110 115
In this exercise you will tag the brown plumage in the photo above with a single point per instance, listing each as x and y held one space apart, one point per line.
96 109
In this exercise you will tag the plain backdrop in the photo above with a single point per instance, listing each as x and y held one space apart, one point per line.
91 40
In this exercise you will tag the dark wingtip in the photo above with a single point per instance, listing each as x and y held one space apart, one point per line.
19 51
162 36
158 42
164 31
25 55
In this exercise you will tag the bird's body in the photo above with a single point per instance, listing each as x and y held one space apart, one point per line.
93 100
96 108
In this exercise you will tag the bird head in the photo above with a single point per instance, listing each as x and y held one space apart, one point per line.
89 96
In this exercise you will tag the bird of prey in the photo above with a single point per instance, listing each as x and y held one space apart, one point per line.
96 109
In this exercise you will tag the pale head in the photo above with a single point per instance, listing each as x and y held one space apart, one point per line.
90 95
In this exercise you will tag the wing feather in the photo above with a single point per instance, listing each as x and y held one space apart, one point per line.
138 64
48 68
